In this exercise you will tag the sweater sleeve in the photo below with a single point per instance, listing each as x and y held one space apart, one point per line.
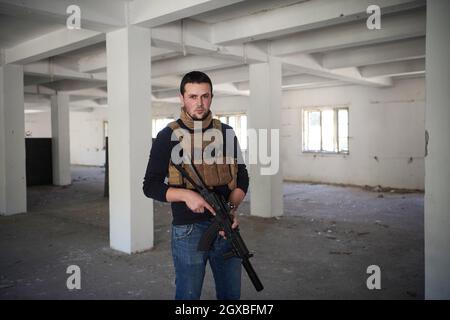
154 185
242 174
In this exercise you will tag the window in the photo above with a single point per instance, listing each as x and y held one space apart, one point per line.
159 124
239 123
325 130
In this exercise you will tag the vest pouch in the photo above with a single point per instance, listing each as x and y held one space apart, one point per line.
224 172
175 178
211 175
233 183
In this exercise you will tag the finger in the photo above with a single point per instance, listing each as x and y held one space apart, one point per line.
222 234
207 206
235 224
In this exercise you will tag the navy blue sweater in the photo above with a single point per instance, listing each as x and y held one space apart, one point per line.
155 186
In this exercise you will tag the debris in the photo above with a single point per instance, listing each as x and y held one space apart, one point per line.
362 233
380 195
341 252
5 286
378 222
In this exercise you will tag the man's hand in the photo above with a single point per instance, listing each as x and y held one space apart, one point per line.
193 200
234 225
236 197
196 203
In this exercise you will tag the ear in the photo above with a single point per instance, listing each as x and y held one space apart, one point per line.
181 99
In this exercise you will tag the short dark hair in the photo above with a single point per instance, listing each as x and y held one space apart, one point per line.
195 77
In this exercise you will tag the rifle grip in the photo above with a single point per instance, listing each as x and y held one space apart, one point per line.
208 237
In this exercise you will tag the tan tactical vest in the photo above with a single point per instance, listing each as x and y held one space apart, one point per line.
216 174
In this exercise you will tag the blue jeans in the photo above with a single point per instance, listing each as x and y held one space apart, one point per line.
190 264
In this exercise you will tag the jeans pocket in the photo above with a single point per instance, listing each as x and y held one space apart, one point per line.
182 231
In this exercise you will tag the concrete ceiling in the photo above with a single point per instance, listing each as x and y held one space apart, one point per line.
14 30
242 9
320 43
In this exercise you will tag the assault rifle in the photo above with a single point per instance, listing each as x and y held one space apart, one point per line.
223 221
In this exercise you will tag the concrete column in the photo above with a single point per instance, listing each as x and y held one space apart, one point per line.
437 162
266 191
60 139
129 104
13 187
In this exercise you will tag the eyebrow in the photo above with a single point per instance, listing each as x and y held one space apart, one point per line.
194 94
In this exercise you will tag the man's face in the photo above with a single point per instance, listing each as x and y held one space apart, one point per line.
196 99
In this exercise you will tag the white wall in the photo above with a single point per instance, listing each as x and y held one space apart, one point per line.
38 124
86 134
86 137
388 123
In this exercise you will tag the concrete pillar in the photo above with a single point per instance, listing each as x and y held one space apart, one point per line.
129 104
266 191
437 162
13 187
60 139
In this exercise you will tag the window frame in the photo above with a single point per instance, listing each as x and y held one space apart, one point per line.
154 119
335 109
234 114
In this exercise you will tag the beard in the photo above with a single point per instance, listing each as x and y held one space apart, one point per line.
196 117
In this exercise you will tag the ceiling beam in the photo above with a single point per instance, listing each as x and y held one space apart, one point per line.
97 62
182 65
99 15
51 44
297 81
375 54
57 72
158 12
400 68
192 37
304 63
395 27
300 17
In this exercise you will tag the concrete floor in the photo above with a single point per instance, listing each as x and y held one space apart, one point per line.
320 248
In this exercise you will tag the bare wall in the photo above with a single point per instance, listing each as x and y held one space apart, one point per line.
86 134
386 123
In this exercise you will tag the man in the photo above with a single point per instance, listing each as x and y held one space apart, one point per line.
191 213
